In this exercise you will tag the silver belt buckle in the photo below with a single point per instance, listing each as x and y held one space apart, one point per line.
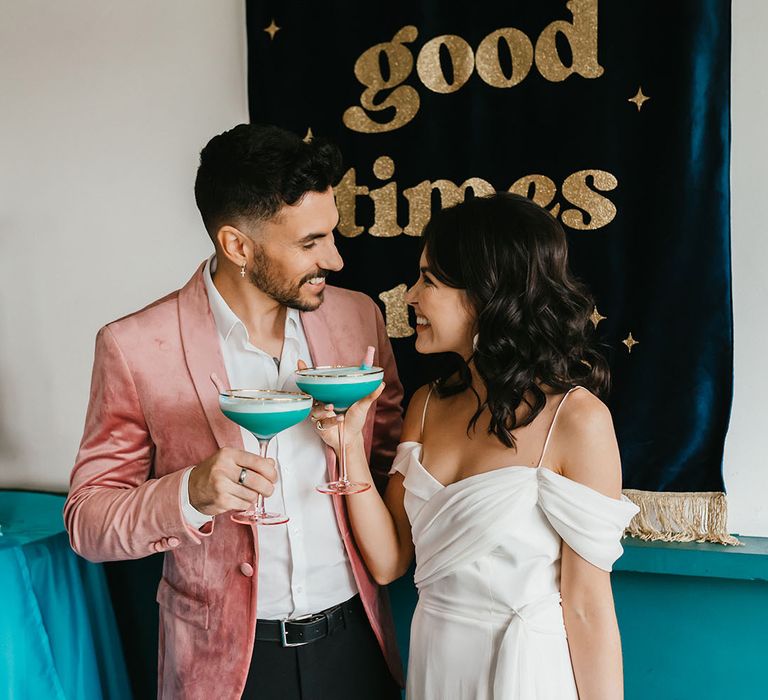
284 637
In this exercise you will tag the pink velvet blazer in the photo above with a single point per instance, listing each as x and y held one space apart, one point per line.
153 412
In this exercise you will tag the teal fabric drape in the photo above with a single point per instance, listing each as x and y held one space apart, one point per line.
615 116
58 638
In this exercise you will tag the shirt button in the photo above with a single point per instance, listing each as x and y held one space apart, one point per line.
299 589
246 569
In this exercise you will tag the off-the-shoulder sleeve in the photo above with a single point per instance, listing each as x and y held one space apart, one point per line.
406 451
590 523
418 483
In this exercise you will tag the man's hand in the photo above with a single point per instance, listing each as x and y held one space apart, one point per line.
214 487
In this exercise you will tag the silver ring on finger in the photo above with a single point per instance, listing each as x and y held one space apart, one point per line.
242 477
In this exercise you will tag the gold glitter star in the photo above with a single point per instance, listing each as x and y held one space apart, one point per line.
596 317
639 99
272 29
630 342
309 135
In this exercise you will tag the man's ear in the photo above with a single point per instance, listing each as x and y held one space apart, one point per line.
235 245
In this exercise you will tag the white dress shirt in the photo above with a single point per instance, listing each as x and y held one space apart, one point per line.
303 566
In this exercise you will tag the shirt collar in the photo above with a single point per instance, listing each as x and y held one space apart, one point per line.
226 320
292 321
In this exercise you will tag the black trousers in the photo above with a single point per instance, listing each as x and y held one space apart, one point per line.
347 665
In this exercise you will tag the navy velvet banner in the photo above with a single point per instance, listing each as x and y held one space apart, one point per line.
613 115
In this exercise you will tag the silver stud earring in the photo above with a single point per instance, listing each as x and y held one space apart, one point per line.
242 271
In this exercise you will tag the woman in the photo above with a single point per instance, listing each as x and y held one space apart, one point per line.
507 479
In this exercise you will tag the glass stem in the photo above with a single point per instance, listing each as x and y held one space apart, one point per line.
342 451
261 511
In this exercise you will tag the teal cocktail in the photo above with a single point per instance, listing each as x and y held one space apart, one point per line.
340 386
265 413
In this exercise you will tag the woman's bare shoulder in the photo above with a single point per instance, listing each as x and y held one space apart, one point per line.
583 411
585 443
413 415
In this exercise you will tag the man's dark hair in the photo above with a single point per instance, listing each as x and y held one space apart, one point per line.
253 170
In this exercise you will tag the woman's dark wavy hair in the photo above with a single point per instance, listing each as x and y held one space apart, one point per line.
253 170
511 258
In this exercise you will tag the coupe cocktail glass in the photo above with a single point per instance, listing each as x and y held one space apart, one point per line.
264 412
340 386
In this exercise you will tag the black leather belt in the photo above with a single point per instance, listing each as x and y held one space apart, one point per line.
308 628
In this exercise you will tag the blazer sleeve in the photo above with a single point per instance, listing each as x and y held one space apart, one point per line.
388 422
114 509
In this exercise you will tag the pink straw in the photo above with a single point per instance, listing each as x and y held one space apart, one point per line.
368 361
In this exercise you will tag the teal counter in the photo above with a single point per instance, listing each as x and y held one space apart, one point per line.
693 620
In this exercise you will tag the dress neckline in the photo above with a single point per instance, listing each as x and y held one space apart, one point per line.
536 470
471 476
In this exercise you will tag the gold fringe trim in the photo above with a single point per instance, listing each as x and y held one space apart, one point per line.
680 516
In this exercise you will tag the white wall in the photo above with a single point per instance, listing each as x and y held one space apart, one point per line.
746 457
104 109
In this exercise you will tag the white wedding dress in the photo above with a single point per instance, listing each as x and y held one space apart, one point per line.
488 624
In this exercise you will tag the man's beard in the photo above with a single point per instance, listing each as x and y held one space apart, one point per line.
264 277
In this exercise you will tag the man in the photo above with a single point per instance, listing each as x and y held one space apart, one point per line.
160 467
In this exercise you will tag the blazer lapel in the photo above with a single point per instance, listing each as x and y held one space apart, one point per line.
318 329
202 352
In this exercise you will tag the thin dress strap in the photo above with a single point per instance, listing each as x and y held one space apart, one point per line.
424 414
552 425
